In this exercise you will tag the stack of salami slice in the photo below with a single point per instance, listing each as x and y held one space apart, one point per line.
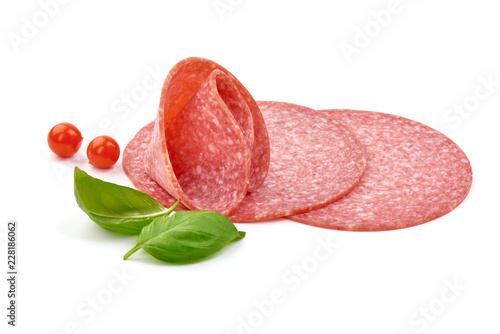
215 148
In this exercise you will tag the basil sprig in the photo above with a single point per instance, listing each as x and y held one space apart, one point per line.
186 236
183 237
116 208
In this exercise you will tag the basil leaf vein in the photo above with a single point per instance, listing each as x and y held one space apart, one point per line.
114 207
186 236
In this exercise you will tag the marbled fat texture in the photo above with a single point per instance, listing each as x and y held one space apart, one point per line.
208 145
414 174
314 161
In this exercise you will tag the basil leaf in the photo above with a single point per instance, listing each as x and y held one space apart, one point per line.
186 236
116 208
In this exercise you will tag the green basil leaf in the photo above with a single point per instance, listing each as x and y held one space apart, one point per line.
116 208
186 236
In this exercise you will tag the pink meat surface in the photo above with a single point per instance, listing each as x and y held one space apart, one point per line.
414 174
314 161
208 145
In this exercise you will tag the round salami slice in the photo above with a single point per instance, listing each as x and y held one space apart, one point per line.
209 144
414 174
314 161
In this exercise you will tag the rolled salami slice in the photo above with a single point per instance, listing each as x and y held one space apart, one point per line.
314 161
181 84
209 143
414 174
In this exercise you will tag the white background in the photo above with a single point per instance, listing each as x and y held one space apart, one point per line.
80 63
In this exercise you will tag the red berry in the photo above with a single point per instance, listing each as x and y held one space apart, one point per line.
103 152
64 139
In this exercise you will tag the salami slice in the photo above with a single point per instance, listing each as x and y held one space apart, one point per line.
209 143
414 174
133 165
314 161
181 84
